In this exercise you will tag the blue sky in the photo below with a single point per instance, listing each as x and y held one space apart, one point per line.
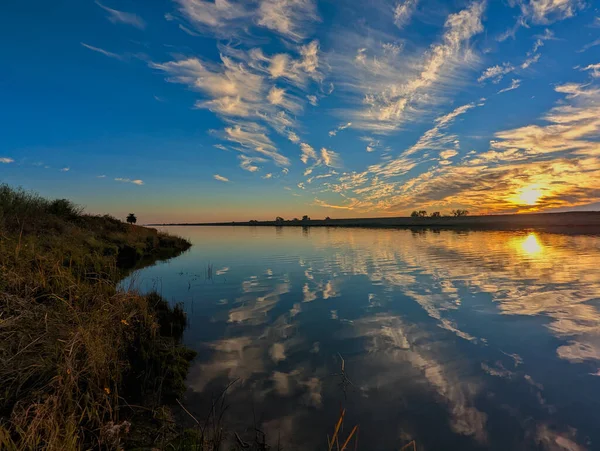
195 110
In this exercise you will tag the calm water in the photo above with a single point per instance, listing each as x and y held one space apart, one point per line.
472 340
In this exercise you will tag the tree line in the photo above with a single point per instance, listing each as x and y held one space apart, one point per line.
437 214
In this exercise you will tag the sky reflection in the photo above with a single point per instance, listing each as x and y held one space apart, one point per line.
490 339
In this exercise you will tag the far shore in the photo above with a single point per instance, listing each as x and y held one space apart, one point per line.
569 222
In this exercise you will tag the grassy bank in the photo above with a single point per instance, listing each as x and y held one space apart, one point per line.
82 365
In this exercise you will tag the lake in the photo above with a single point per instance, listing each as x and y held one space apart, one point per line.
458 340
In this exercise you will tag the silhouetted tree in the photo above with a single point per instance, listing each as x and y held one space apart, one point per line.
458 213
131 219
295 220
436 214
414 214
279 219
419 214
327 218
305 218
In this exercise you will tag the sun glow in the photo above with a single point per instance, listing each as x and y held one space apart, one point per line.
530 195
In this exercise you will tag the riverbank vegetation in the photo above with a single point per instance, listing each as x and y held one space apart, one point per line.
83 365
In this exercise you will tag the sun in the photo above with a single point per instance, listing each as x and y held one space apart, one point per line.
530 195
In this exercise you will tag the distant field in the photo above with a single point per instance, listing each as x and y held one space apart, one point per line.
572 222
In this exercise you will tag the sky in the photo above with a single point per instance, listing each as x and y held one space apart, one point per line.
201 110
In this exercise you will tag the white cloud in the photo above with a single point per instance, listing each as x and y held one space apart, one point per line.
102 51
397 89
513 85
307 153
6 160
248 163
125 180
330 158
226 18
218 16
312 100
403 12
372 143
340 128
65 169
267 176
530 60
220 178
548 35
594 68
287 17
495 73
253 137
549 11
116 16
101 176
240 89
589 45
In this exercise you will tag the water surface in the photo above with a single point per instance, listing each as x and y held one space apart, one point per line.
459 340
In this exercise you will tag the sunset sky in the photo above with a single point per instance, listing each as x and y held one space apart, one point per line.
196 110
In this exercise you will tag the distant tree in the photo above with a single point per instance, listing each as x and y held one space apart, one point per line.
414 214
253 221
459 213
436 214
131 219
305 218
279 219
327 218
295 220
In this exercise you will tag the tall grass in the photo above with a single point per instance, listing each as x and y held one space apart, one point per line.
80 361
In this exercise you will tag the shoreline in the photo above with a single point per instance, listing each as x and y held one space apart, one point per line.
569 222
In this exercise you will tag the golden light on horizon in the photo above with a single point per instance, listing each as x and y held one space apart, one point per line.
530 195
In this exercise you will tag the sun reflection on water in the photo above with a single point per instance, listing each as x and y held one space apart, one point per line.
531 245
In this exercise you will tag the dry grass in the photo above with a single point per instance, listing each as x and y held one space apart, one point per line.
76 354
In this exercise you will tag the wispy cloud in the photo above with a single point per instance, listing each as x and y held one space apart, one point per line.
549 11
395 88
102 51
249 163
589 45
6 160
594 69
134 181
220 178
541 12
116 16
496 73
101 176
252 137
289 18
530 60
308 153
513 85
330 158
403 12
340 128
65 169
242 90
226 18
